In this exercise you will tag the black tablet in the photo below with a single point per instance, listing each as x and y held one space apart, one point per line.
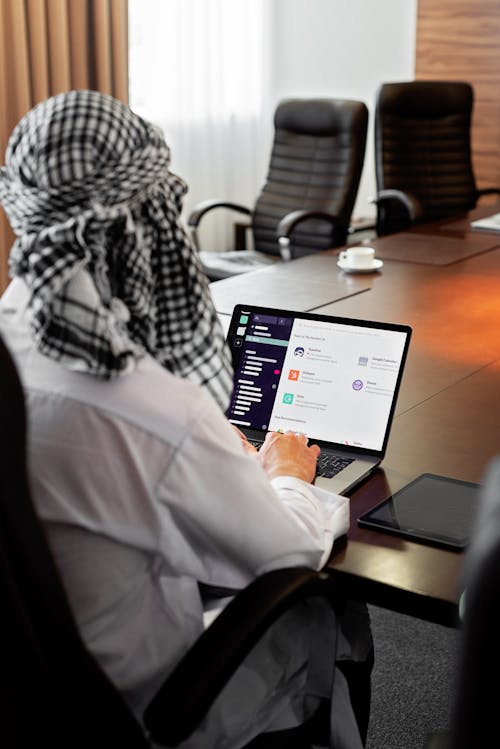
431 509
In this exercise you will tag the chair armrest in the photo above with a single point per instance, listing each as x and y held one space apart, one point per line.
410 202
488 191
208 205
204 207
291 220
189 691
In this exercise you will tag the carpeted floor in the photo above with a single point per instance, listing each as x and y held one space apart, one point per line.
412 681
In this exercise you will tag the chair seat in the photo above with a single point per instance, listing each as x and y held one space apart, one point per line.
219 265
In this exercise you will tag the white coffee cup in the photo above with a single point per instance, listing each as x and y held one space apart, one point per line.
358 257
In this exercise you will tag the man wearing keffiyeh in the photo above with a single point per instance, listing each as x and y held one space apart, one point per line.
100 245
144 488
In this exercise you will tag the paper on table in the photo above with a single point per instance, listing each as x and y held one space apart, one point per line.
489 223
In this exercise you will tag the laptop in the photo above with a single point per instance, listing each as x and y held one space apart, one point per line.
333 378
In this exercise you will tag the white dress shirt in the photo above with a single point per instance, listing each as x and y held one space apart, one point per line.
145 491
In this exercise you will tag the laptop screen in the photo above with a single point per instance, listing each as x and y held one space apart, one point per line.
335 379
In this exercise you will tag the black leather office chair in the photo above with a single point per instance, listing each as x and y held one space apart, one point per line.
475 717
423 153
52 691
307 200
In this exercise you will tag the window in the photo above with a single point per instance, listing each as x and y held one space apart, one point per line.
198 69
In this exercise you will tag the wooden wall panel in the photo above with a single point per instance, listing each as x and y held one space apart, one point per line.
460 40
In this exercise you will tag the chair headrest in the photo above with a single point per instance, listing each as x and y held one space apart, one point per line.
320 116
425 98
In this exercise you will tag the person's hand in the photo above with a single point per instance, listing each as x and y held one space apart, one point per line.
288 455
249 448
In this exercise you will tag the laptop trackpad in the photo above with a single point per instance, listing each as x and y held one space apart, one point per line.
347 477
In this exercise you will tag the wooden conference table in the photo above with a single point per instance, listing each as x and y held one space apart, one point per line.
444 280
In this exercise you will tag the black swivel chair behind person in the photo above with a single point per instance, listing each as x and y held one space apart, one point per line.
52 691
475 714
311 186
423 157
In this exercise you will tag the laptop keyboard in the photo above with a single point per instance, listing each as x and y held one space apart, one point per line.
327 466
330 465
256 443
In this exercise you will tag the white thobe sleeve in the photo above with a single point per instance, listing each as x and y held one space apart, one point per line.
228 522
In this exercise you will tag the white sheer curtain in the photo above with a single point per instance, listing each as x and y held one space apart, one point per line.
199 69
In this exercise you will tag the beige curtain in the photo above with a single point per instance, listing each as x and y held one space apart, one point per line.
49 46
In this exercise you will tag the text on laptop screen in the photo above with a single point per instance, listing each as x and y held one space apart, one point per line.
332 381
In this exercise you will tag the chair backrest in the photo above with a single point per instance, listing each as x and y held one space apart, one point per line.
316 163
52 692
475 719
422 145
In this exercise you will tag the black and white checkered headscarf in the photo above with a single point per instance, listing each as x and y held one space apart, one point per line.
111 271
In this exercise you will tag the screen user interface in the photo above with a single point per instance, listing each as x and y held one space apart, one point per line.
333 381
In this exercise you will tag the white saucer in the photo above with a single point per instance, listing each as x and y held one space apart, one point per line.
376 265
